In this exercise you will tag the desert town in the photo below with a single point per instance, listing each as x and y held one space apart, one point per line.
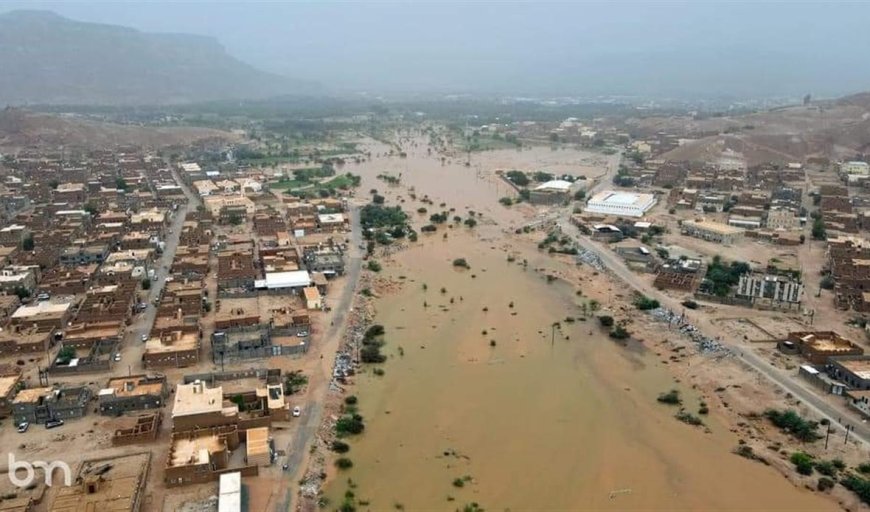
199 333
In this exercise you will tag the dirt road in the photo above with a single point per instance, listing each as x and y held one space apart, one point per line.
319 382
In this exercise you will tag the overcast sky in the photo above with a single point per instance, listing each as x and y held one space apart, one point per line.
674 48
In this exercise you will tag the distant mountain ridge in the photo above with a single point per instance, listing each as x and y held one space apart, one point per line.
49 59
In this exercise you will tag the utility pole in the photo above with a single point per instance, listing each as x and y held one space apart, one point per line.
827 436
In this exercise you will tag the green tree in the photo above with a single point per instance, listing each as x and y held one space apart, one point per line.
818 231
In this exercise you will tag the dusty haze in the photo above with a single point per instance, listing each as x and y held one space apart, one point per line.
666 49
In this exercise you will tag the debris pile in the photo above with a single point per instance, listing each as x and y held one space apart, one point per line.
706 345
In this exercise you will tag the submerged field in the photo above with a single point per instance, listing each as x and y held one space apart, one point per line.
484 401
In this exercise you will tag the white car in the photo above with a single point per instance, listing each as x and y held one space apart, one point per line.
23 426
297 411
117 357
144 337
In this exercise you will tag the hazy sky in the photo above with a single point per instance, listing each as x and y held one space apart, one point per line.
699 48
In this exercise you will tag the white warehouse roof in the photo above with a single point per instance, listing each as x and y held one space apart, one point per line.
294 279
555 185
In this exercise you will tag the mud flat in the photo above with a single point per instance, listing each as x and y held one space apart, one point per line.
548 418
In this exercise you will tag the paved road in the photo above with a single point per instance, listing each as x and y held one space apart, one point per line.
297 450
784 381
142 323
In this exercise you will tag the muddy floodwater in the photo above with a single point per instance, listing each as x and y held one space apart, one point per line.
543 418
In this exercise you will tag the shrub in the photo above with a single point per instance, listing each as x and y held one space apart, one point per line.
864 467
791 422
825 484
461 262
605 321
827 467
619 333
803 462
645 303
349 425
858 485
374 266
429 228
688 418
340 447
458 482
827 283
506 201
343 463
690 304
374 331
672 397
350 400
372 354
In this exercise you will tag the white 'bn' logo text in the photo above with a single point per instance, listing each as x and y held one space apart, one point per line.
47 468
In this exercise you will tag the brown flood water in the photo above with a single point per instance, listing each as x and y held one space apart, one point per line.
537 425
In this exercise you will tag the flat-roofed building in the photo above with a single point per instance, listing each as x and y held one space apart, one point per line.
230 492
198 406
132 393
29 339
110 484
199 457
782 218
855 168
712 231
10 380
775 288
257 449
48 315
621 204
172 348
818 346
38 405
312 297
853 371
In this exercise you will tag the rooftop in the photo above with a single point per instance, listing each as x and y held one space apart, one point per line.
612 198
26 396
42 308
135 385
860 367
257 441
195 450
560 185
7 384
196 398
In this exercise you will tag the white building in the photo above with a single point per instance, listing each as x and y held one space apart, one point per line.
623 204
279 280
772 287
855 168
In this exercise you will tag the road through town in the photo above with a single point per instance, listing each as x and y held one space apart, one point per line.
747 356
319 382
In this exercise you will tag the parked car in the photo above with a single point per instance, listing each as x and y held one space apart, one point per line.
297 411
144 337
23 426
53 423
117 357
302 334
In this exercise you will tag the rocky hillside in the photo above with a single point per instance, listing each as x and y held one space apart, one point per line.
48 59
